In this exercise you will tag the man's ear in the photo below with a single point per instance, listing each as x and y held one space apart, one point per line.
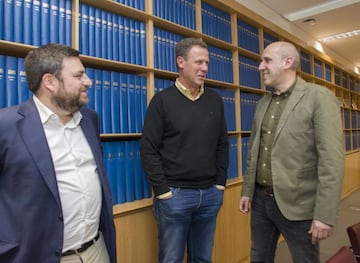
48 81
180 62
289 61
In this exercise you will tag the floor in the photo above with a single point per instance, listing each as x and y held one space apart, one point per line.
349 214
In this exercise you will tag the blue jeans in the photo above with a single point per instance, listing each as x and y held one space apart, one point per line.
267 222
187 218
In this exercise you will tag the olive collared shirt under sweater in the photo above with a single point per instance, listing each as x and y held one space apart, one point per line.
268 128
184 142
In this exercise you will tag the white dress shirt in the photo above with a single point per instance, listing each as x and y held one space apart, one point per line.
76 174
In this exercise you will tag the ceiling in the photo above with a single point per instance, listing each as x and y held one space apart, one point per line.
331 17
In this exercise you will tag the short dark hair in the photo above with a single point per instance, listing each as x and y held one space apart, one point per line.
46 59
183 47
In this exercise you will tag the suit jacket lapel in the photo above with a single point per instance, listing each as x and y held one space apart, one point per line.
297 93
32 132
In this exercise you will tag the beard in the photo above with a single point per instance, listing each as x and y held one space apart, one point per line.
69 102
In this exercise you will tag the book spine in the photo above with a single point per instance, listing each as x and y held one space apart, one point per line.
45 22
54 21
11 81
27 22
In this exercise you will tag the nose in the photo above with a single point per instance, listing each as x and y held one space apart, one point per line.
261 66
87 81
205 67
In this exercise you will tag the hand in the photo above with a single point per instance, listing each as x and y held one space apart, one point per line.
319 231
244 204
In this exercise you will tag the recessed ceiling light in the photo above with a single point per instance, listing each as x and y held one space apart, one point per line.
341 36
310 21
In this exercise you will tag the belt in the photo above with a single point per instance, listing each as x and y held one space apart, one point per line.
83 247
267 190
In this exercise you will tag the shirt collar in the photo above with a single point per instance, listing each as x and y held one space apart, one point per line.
186 92
46 114
288 91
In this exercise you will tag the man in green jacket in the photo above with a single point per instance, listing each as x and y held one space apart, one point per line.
295 163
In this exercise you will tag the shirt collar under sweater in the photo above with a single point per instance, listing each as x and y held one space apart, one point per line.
186 92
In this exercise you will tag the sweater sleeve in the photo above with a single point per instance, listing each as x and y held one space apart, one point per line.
150 146
222 155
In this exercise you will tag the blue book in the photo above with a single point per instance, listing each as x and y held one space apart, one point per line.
137 42
11 81
124 126
54 21
62 21
143 44
133 49
120 171
106 102
109 36
22 85
36 23
98 96
2 82
143 99
2 20
91 91
110 160
19 21
138 180
115 37
84 29
129 171
9 26
137 106
98 35
127 40
45 22
27 22
68 22
121 46
115 102
104 29
131 102
91 32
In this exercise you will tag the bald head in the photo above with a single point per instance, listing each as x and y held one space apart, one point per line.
284 50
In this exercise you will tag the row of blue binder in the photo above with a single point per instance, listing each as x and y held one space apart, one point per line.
220 65
13 82
215 23
351 119
181 12
111 36
352 140
249 72
233 171
244 151
137 4
248 102
125 172
248 36
36 22
120 99
164 49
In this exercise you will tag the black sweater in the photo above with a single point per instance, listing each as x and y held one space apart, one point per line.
184 143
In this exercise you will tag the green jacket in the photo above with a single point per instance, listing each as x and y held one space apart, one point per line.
307 157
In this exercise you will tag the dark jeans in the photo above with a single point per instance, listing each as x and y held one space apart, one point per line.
189 217
267 223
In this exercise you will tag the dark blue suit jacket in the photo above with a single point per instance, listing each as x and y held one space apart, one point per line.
31 219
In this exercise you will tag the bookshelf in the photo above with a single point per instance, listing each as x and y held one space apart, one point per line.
128 49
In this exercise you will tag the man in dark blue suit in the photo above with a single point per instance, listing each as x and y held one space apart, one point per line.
55 202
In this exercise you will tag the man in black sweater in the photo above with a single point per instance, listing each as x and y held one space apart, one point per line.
184 151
